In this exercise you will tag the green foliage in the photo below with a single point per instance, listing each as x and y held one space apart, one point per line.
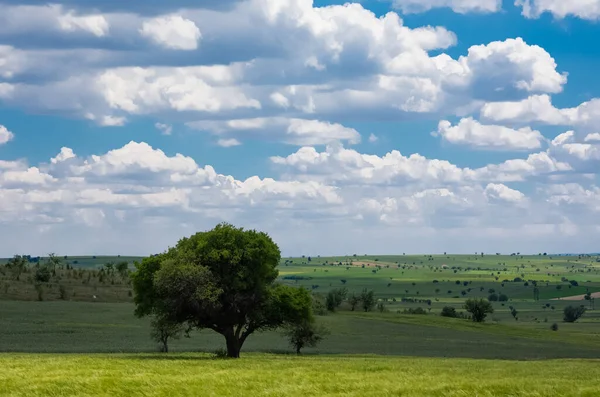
163 330
43 274
304 334
367 298
554 327
62 291
224 280
449 311
17 265
479 309
334 298
493 297
573 313
503 298
417 310
353 300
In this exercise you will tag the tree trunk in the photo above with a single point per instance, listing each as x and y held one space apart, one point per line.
234 345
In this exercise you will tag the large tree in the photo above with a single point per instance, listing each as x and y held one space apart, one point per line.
224 280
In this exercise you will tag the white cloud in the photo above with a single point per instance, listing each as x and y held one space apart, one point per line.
594 137
459 6
373 138
471 133
539 108
585 9
292 131
172 31
5 135
502 192
228 142
94 24
164 129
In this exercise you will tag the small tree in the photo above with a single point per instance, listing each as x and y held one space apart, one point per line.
17 266
573 313
305 334
493 297
368 299
354 300
163 330
479 309
334 298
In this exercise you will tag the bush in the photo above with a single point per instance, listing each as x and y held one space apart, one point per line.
554 327
305 334
479 309
334 298
418 310
62 291
573 313
449 311
493 297
503 298
43 274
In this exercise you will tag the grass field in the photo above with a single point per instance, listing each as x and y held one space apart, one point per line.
268 375
83 339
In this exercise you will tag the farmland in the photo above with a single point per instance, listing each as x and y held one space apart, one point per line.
85 321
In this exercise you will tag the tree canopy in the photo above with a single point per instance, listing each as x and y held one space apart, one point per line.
224 280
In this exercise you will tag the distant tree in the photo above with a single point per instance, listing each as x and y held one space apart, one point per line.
334 298
43 274
17 265
479 309
163 330
503 298
354 300
122 269
305 334
573 313
493 297
53 262
368 299
536 293
554 327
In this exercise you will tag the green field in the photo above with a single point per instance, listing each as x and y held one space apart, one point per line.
86 341
268 375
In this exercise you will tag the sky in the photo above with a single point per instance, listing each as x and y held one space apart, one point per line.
339 128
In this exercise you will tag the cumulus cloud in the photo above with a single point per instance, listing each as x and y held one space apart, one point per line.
584 9
539 108
172 31
470 132
94 24
292 131
502 192
459 6
5 135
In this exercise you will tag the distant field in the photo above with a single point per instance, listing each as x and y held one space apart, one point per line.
81 327
268 375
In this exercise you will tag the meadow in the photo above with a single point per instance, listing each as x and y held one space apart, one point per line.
80 337
268 375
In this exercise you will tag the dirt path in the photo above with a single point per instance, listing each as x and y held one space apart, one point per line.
577 297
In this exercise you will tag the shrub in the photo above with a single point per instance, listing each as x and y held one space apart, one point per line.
449 311
554 327
381 307
573 313
493 297
503 298
163 330
479 309
334 298
62 292
305 334
43 274
418 310
39 288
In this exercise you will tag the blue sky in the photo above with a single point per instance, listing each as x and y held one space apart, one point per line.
377 126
